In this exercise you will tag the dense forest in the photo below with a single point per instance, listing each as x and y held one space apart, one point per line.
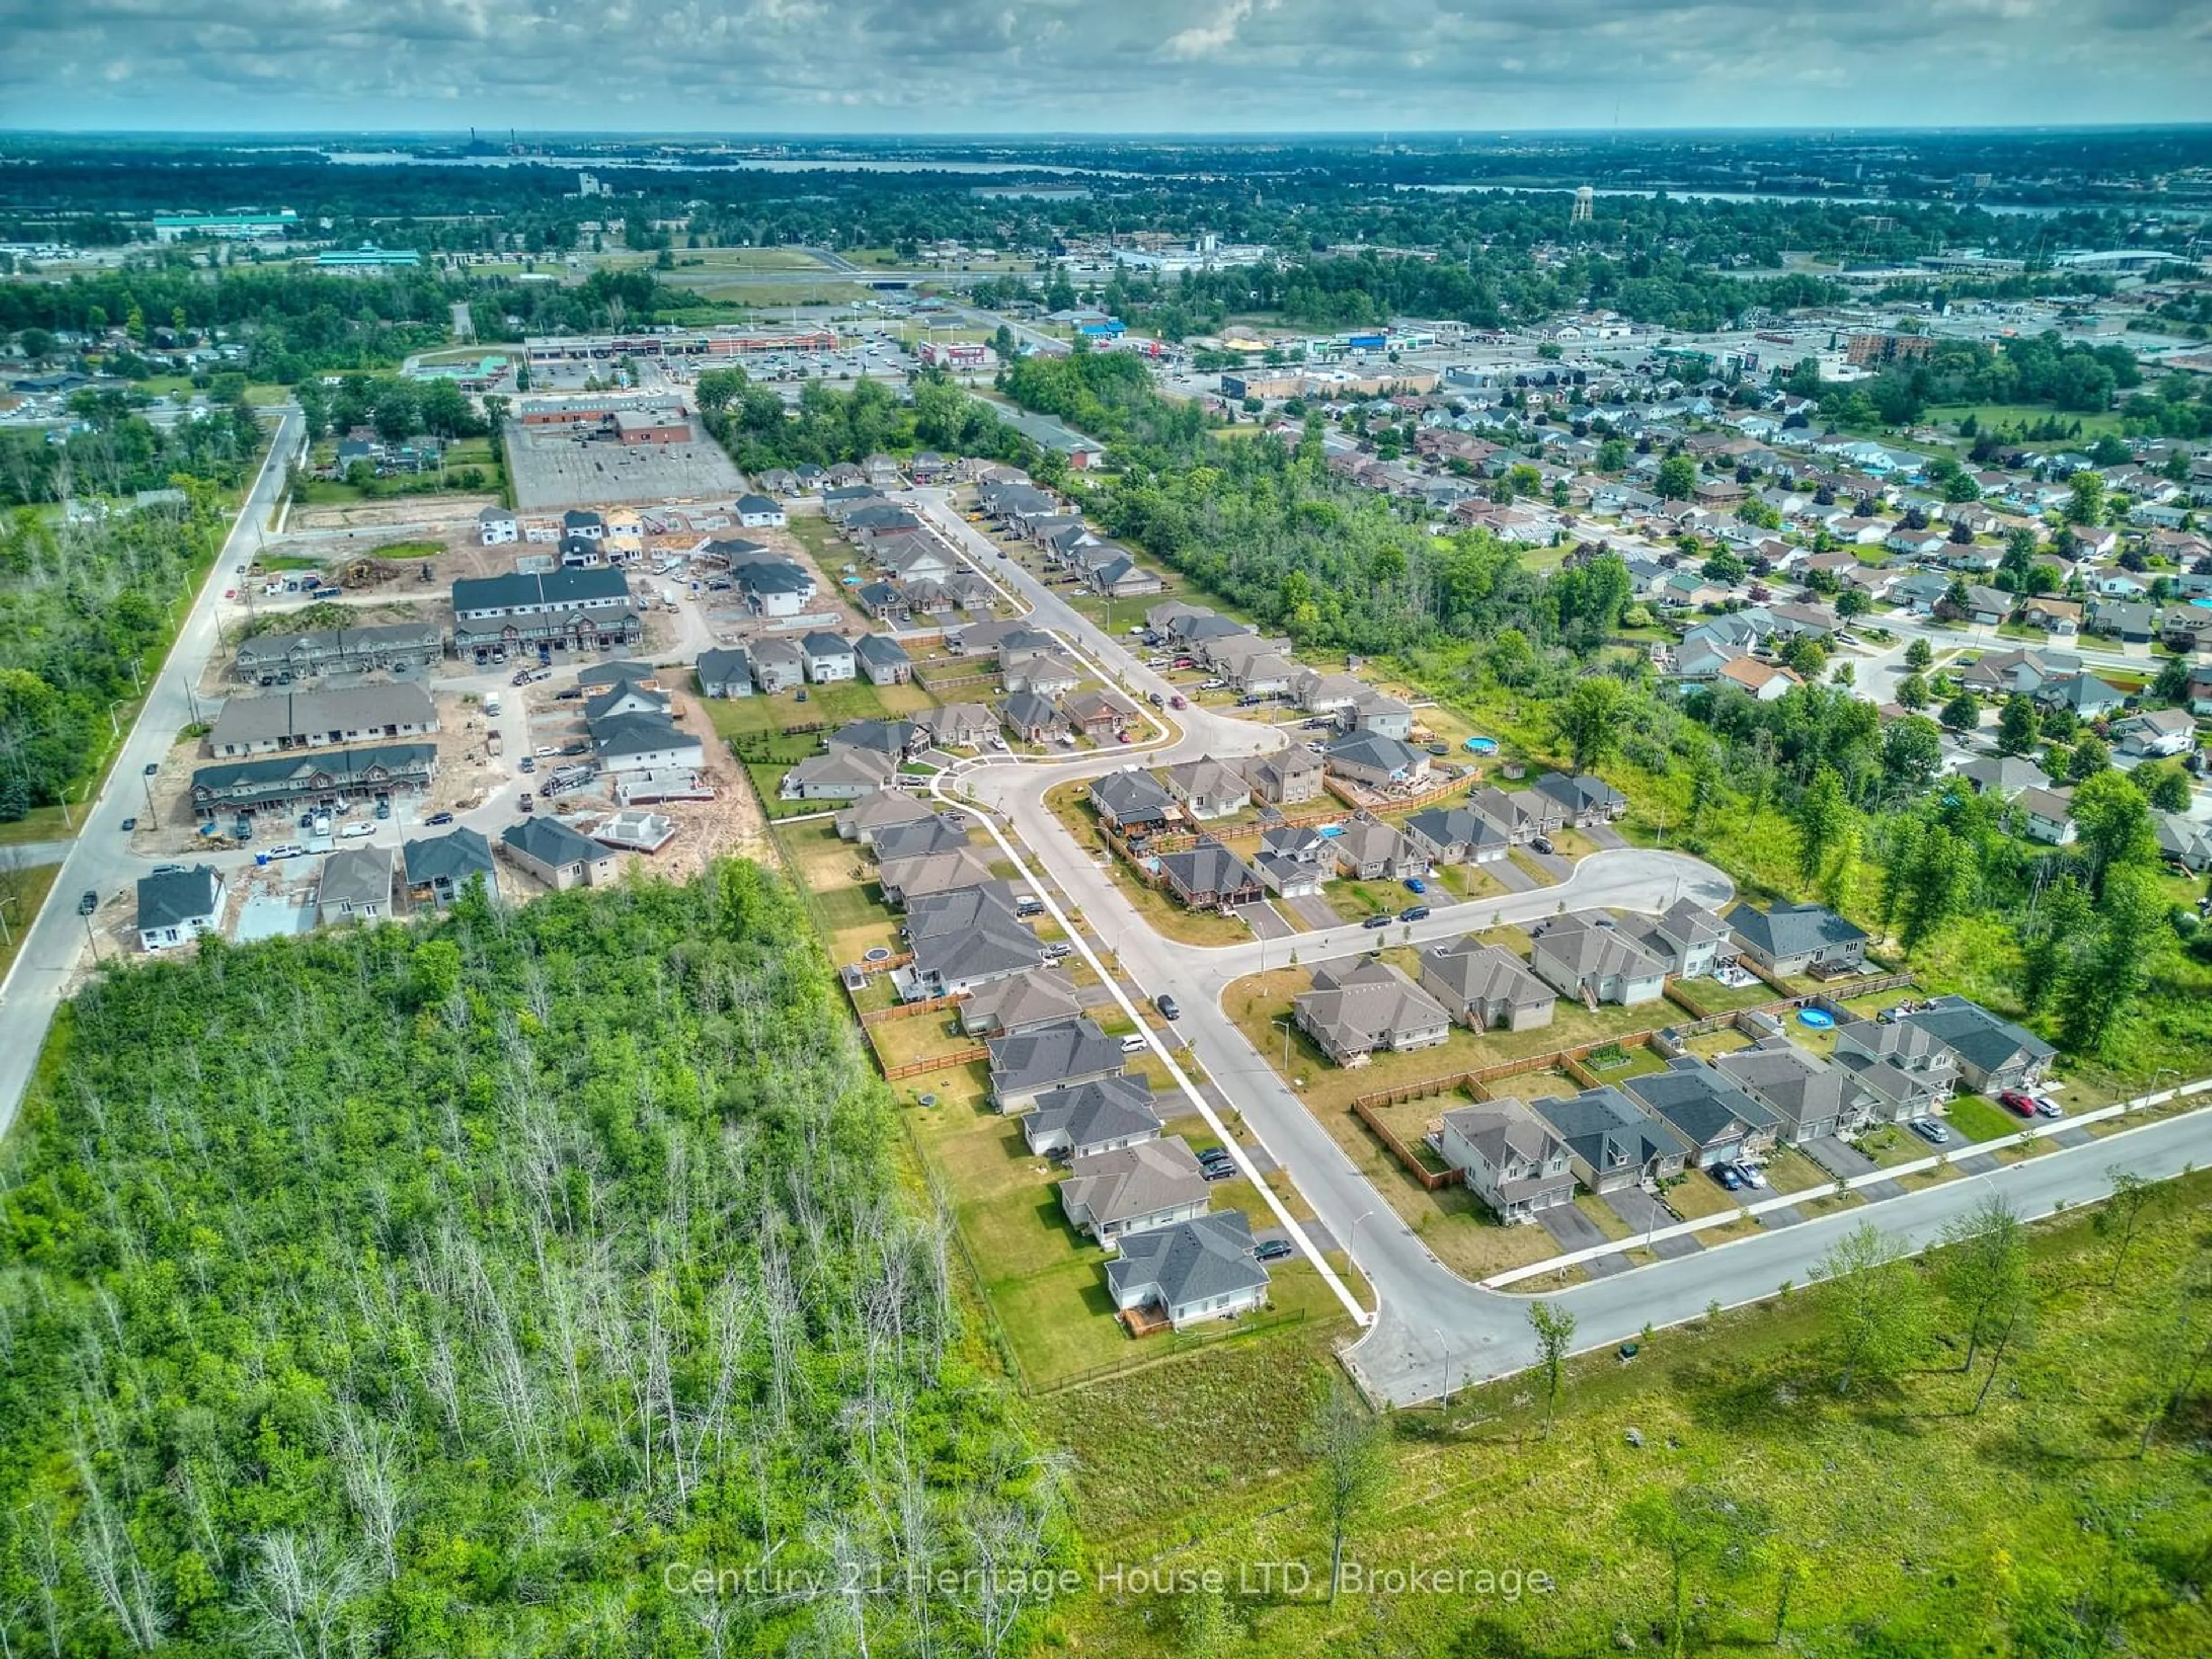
81 603
470 1288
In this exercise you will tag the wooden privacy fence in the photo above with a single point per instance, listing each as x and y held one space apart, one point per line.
899 1011
1431 1179
935 1062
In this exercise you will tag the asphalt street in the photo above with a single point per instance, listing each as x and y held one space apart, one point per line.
100 859
1430 1324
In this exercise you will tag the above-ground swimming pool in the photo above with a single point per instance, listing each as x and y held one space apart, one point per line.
1819 1019
1482 745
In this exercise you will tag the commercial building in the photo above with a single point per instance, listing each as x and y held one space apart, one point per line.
225 227
550 349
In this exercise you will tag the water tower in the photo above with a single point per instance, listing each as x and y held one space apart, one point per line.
1585 199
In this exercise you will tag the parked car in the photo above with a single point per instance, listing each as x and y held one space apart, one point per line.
568 695
1382 921
1167 1006
1218 1171
1931 1131
1414 884
1273 1249
529 765
2046 1107
1414 913
546 750
526 804
437 819
89 903
1542 843
291 849
1132 1043
153 767
2020 1105
356 832
1752 1173
1726 1174
1156 699
1176 702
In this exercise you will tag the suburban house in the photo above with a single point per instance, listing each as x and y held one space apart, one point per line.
1026 1002
1522 813
881 660
1902 1071
2046 815
265 657
1992 1054
759 513
1485 988
1032 717
1029 1063
645 743
1586 800
1087 1118
960 961
777 665
1788 939
871 816
1097 715
929 834
1688 938
1706 1107
1376 762
440 868
1586 955
907 879
1210 877
1765 682
549 850
1289 777
828 657
1509 1160
1458 835
1371 850
355 885
497 525
1209 788
1199 1268
1378 714
1130 802
1356 1008
2155 733
1611 1142
180 905
1133 1189
725 673
959 725
2004 776
1809 1098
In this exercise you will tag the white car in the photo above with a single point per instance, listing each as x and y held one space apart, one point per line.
546 750
354 831
1752 1174
291 849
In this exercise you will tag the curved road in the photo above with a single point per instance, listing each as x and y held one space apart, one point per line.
1432 1329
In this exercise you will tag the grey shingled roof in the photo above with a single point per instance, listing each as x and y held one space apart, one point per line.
1792 929
1191 1261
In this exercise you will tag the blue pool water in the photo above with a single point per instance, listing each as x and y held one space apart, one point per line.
2202 605
1819 1019
1482 745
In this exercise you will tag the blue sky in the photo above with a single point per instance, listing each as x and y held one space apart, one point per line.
1013 66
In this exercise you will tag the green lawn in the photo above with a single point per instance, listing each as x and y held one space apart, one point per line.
22 892
1992 415
1979 1119
1896 1498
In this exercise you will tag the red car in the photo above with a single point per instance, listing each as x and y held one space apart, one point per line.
2013 1101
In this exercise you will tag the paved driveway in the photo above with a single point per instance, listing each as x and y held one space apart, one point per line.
1646 1214
1570 1230
1509 876
1557 868
1605 836
1313 910
1266 921
1839 1158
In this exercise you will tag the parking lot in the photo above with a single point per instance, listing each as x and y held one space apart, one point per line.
558 470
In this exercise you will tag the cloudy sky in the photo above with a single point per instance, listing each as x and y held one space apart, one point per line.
923 66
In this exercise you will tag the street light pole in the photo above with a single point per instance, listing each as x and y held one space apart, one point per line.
1448 1363
7 938
1285 1027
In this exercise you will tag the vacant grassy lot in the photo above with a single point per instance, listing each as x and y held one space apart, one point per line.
22 891
1915 1525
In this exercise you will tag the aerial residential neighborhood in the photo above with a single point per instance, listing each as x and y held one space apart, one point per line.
1152 861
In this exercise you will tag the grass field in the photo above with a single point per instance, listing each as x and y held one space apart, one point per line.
1990 417
22 891
1908 1524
